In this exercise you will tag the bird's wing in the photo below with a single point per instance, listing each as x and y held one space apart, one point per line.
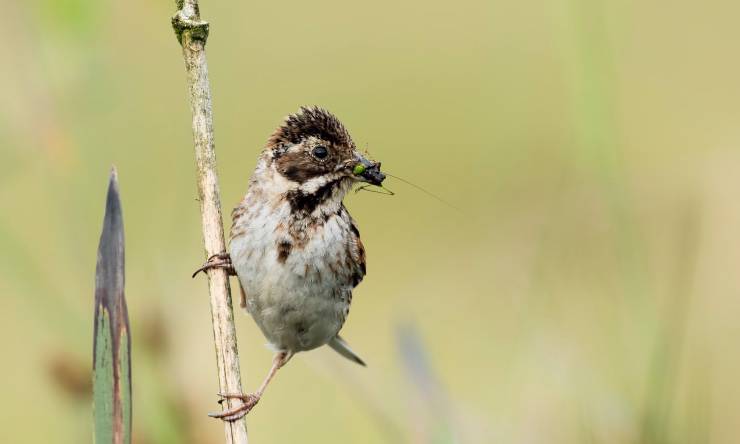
356 252
237 229
341 347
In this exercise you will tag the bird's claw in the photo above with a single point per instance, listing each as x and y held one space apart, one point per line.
236 413
219 260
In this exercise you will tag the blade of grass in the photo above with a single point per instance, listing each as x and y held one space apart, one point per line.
435 422
665 365
112 341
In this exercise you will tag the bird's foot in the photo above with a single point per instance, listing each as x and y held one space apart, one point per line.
236 413
220 260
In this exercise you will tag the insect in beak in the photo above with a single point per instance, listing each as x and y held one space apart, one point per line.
369 172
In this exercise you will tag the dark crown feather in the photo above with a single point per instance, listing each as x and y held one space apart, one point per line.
311 121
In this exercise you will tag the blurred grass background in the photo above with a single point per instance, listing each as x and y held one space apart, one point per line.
588 292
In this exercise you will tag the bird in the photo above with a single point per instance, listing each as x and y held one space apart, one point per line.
293 245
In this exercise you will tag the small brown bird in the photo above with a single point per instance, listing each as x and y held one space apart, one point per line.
294 247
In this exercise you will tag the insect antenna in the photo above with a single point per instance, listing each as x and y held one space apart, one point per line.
425 191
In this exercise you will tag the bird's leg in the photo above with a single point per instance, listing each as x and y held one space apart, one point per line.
278 362
220 260
251 399
242 296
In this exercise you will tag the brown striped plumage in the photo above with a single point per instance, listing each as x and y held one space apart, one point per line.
294 247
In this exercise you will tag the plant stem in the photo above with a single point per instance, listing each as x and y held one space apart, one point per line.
192 34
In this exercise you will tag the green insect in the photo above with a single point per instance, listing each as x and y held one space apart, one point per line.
359 169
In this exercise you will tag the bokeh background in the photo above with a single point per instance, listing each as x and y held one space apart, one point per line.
587 290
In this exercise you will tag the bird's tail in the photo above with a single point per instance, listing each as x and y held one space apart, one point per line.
341 347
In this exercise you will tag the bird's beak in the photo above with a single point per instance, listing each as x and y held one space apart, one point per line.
368 171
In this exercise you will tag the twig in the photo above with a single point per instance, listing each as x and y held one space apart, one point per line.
192 33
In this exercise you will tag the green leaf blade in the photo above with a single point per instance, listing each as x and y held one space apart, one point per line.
111 340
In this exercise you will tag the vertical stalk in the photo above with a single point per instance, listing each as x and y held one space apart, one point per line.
192 33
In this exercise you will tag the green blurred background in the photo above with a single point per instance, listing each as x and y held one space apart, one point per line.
587 291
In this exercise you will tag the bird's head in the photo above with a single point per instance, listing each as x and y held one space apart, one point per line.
312 149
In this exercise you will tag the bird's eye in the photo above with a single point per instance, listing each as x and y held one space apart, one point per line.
320 152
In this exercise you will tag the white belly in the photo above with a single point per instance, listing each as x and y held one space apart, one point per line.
300 304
